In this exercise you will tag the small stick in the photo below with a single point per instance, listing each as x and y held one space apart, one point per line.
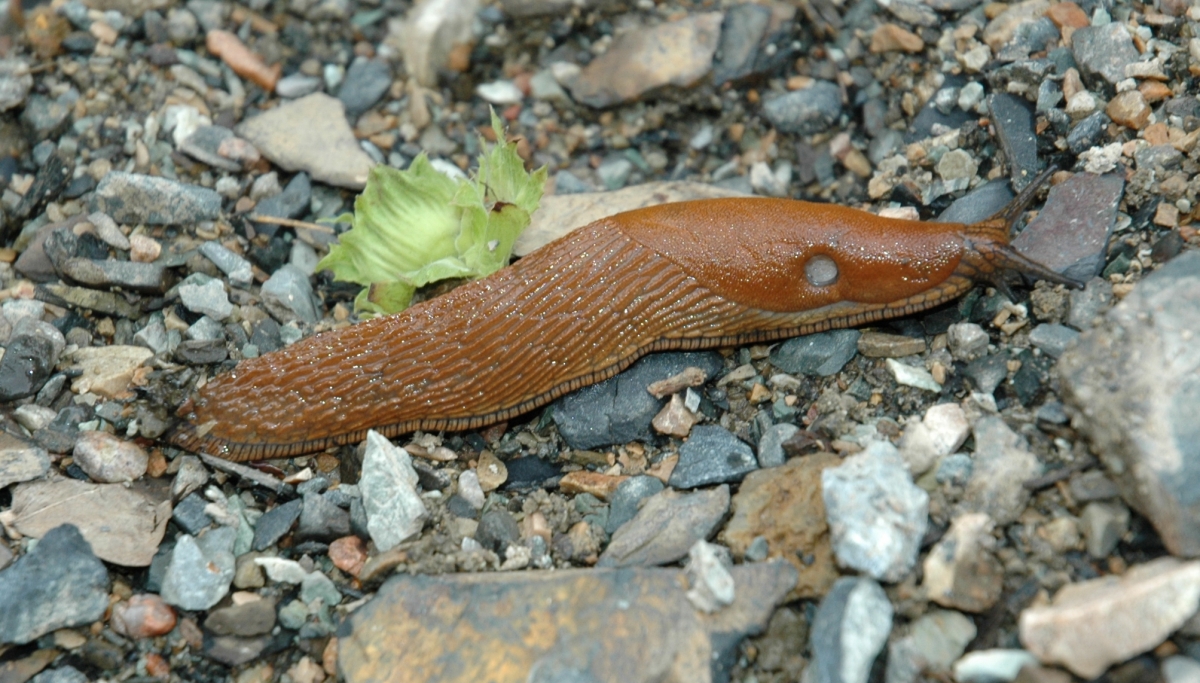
291 223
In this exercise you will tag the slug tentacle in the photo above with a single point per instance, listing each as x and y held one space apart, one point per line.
691 275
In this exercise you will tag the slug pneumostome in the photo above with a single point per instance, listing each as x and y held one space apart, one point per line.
690 275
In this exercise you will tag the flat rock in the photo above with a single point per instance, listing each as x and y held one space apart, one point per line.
108 459
1132 383
783 506
620 409
677 53
59 584
559 214
275 523
201 569
850 628
136 198
107 370
21 460
123 524
151 278
666 527
1013 118
820 355
631 625
310 134
804 112
1102 53
877 515
712 455
1070 235
1091 625
627 499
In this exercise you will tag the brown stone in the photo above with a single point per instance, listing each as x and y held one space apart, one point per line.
784 505
676 53
961 571
1068 14
142 616
675 419
628 625
1001 29
882 345
492 472
1129 109
893 38
348 553
596 483
241 59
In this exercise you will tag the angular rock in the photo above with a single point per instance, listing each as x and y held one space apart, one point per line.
962 571
366 81
1014 123
666 527
877 516
200 570
1090 626
395 511
676 53
821 354
713 455
807 111
310 134
940 432
619 409
1003 463
21 460
135 198
59 584
1070 235
627 499
503 629
275 523
150 278
783 507
1102 53
108 459
289 294
934 641
1132 382
107 370
29 358
850 628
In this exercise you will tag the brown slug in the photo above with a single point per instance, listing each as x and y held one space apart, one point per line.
690 275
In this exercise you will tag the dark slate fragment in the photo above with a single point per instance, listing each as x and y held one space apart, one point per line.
460 507
1070 235
275 523
265 335
202 351
979 204
1088 133
712 455
619 409
189 514
529 471
27 363
204 145
59 584
821 354
930 115
293 202
136 198
627 499
811 110
321 520
48 183
1102 53
366 81
1013 118
150 278
1052 338
497 530
63 431
988 372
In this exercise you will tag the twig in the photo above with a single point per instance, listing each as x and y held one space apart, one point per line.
291 223
263 480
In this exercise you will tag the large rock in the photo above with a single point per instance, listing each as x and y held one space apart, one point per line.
59 584
1134 384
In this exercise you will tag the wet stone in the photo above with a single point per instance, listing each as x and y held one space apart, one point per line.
29 358
59 584
134 198
1102 53
712 455
849 630
289 294
877 516
781 508
677 53
189 514
666 527
620 410
414 618
365 82
321 520
807 111
1070 235
200 570
1013 118
1132 380
822 354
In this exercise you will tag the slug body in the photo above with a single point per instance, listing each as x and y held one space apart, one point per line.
689 275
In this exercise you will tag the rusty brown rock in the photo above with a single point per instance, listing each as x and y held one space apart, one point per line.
883 345
1129 109
596 483
629 625
784 505
893 38
677 53
242 59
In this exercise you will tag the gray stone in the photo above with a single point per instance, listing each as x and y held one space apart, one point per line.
1104 524
1013 118
979 204
205 329
292 202
235 266
770 446
297 85
205 145
321 520
288 293
63 674
1088 303
15 83
200 570
967 341
876 515
1180 669
712 455
614 172
1089 132
152 278
47 118
108 459
58 584
807 111
135 198
1002 464
189 514
619 410
1102 53
821 354
666 527
1052 338
21 461
366 81
252 618
626 500
29 358
742 33
934 641
206 296
988 372
1133 382
497 530
395 511
849 630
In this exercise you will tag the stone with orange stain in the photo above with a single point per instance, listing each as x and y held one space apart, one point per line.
784 506
894 38
633 625
1129 109
1155 91
1068 14
348 553
242 59
598 484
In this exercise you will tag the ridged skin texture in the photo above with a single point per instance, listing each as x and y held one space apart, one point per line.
690 275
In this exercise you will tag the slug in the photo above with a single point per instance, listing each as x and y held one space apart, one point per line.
689 275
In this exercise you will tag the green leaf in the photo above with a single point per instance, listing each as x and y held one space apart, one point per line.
418 226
